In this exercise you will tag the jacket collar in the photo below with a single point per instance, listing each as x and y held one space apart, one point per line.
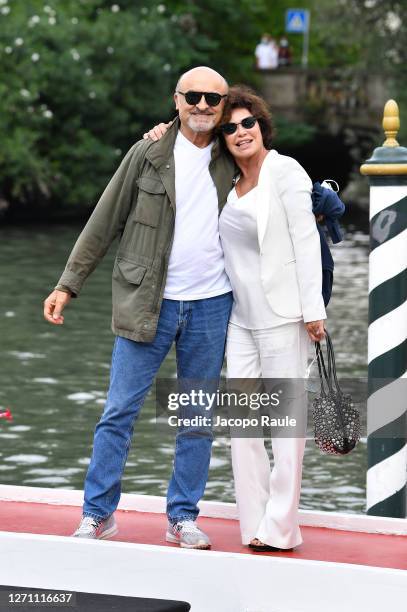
161 151
161 156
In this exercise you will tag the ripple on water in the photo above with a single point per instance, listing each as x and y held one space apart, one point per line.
51 480
81 397
46 381
20 428
26 459
142 480
26 355
165 450
217 462
221 442
54 471
84 461
348 489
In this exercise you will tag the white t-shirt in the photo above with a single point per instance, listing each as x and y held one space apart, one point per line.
196 268
238 231
267 55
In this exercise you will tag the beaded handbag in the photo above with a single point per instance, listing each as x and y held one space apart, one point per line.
336 420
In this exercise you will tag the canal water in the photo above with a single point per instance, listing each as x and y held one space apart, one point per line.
54 379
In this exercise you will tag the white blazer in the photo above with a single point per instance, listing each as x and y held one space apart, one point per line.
290 251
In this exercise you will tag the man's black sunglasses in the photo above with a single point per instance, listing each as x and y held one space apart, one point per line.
194 97
246 123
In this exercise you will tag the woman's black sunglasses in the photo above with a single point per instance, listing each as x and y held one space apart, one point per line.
246 123
194 97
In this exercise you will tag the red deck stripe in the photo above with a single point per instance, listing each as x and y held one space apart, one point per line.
320 544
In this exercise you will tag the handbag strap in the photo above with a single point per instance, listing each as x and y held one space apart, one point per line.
332 363
323 375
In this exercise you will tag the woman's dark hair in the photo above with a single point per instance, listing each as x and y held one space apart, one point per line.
241 96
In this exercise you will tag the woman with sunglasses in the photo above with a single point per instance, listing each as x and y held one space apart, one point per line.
272 257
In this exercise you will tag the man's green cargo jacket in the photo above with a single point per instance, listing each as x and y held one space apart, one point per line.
138 205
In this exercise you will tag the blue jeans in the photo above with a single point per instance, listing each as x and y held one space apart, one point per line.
199 331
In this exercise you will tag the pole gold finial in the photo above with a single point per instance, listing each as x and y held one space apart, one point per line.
391 123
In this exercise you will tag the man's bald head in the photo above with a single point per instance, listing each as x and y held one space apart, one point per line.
200 117
210 79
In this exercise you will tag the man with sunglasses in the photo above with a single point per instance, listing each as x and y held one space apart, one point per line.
169 285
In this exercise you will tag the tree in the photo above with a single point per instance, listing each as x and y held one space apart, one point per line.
82 79
369 35
79 83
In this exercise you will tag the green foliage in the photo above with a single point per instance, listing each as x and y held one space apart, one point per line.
79 82
233 28
291 134
82 79
366 34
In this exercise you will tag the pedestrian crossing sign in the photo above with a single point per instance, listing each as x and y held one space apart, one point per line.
297 21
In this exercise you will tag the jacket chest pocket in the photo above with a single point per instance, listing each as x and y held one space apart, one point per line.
149 201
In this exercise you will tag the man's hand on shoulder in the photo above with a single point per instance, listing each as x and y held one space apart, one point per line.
158 131
54 305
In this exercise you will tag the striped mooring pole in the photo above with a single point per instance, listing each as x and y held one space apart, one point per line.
387 336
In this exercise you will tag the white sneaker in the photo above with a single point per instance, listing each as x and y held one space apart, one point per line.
96 529
187 535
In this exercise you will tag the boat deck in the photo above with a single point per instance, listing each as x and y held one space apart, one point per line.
320 544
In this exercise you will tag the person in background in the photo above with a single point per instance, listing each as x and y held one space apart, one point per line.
266 53
284 53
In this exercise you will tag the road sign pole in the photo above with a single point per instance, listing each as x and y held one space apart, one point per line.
297 21
305 44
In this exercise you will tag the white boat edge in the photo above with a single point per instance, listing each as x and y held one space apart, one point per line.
216 581
156 504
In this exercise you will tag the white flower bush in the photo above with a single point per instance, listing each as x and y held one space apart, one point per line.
34 20
71 75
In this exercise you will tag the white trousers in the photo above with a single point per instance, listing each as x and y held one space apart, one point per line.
268 500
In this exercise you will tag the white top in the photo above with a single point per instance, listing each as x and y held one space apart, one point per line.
196 268
238 231
267 55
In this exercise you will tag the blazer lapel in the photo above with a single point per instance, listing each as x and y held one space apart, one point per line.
265 195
